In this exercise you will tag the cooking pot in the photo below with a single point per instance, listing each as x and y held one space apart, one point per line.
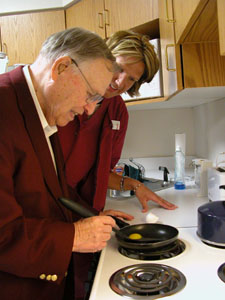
211 223
153 235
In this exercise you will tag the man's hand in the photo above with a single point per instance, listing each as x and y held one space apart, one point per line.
92 234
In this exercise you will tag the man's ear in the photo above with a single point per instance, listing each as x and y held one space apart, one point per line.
59 66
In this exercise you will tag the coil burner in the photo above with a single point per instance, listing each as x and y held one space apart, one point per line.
221 272
147 281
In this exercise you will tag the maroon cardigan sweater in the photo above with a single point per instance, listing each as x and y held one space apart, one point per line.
91 148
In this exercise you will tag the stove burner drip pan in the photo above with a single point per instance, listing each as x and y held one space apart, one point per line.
165 252
147 281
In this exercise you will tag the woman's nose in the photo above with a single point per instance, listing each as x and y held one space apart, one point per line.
121 79
90 108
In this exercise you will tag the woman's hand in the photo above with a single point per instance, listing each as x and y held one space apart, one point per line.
144 195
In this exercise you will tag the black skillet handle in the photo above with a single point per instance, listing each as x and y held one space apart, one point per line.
77 208
85 212
120 223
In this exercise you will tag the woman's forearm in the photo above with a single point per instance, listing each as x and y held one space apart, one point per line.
119 183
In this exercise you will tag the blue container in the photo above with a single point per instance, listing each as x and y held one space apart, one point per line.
179 174
179 185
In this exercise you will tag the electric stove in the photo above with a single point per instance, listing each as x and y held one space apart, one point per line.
199 267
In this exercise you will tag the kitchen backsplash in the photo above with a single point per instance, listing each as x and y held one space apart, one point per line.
151 133
210 129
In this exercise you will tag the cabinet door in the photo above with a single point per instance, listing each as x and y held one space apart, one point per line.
204 28
202 65
167 40
185 14
221 25
88 14
23 35
125 14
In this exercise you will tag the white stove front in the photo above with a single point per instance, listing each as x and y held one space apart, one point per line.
199 264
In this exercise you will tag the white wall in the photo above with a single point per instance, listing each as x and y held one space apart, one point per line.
13 6
151 133
210 129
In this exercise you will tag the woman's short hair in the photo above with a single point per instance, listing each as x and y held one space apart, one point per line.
133 44
76 42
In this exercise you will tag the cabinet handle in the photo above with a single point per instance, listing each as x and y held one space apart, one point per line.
100 20
167 14
106 13
167 58
1 46
4 46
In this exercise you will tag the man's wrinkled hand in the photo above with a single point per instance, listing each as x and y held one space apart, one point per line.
92 234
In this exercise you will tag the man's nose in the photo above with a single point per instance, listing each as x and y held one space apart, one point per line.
90 108
80 110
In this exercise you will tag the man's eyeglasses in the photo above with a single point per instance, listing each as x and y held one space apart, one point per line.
94 97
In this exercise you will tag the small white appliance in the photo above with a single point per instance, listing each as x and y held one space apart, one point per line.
216 179
3 62
201 175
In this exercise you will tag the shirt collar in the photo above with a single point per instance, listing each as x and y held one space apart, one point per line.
48 130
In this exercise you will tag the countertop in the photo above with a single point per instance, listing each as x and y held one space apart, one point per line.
186 200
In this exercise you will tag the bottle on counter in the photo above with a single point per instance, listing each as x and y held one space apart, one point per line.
179 175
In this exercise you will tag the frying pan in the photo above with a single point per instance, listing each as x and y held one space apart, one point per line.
153 235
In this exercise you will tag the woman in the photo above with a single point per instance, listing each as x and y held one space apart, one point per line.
92 150
92 144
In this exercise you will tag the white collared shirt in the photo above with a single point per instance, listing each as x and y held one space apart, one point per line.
48 130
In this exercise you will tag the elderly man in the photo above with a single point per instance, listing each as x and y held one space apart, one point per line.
37 234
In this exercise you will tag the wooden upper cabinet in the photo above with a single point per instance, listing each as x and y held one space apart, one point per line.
200 21
202 62
88 14
108 16
204 28
203 66
190 45
125 14
23 34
